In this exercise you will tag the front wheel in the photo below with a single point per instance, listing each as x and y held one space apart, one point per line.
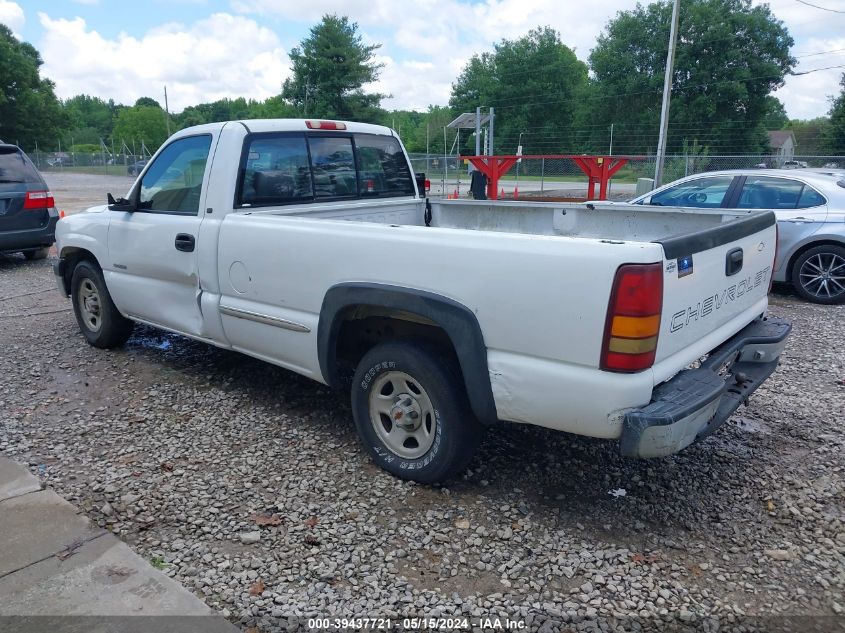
412 414
98 318
819 274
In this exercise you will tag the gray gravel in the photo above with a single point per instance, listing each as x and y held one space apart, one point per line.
246 483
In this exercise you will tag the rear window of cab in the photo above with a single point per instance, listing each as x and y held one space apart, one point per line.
294 167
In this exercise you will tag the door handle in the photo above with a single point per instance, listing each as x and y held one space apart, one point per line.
185 242
733 262
801 220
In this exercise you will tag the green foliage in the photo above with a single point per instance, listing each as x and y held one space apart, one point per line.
141 124
836 133
148 102
534 83
730 55
813 137
29 110
330 67
775 117
88 114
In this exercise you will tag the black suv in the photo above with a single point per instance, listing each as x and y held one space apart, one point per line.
28 213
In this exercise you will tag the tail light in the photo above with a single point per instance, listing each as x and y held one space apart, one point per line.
427 185
325 125
38 200
633 318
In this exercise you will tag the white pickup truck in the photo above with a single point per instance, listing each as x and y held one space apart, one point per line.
308 244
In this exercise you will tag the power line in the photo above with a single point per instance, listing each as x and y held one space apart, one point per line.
815 6
815 70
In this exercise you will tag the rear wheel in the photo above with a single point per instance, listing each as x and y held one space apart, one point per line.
98 318
41 253
412 413
819 274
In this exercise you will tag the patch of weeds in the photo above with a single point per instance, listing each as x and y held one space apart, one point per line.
158 562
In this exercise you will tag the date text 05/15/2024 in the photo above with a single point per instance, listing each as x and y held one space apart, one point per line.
416 624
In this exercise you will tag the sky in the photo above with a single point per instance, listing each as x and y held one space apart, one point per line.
204 50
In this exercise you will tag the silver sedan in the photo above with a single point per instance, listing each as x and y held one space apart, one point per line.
810 208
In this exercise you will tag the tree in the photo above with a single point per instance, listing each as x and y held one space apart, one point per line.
836 142
330 68
775 117
730 55
141 124
29 110
534 83
89 118
813 137
148 102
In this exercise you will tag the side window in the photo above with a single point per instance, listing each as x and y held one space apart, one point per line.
382 167
276 171
173 182
810 198
703 193
334 167
765 192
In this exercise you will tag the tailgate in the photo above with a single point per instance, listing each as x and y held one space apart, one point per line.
712 278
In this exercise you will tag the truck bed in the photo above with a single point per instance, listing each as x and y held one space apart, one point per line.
585 220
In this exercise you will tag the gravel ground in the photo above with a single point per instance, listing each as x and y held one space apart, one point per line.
246 483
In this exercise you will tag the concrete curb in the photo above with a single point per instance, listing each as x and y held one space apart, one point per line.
59 572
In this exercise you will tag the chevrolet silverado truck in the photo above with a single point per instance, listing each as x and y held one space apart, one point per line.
309 244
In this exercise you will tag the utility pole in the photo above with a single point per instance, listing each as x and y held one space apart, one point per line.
166 112
667 93
478 131
492 118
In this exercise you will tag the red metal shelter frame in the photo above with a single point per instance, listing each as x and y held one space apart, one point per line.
598 169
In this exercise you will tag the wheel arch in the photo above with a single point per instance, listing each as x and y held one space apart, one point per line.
825 241
456 321
69 257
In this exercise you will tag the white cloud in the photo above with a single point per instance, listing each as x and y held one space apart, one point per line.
806 96
216 57
11 14
443 34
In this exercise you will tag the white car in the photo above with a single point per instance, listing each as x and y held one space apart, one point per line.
307 244
810 208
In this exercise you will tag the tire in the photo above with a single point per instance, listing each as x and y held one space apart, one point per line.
41 253
818 275
403 379
98 318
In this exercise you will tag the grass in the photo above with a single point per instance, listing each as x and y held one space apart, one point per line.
159 563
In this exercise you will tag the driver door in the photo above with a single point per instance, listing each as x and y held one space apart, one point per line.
152 273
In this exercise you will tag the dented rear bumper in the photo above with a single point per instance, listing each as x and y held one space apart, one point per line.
696 402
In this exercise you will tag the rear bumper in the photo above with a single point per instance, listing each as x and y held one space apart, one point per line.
696 402
30 238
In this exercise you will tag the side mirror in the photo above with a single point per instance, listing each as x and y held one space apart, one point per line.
121 204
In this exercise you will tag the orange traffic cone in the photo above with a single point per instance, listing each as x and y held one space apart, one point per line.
515 193
502 193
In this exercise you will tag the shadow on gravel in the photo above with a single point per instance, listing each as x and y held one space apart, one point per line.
578 480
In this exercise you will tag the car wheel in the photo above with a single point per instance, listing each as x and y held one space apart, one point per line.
412 413
819 274
41 253
98 318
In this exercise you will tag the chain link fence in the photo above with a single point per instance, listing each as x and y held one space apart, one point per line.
563 177
118 164
449 176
